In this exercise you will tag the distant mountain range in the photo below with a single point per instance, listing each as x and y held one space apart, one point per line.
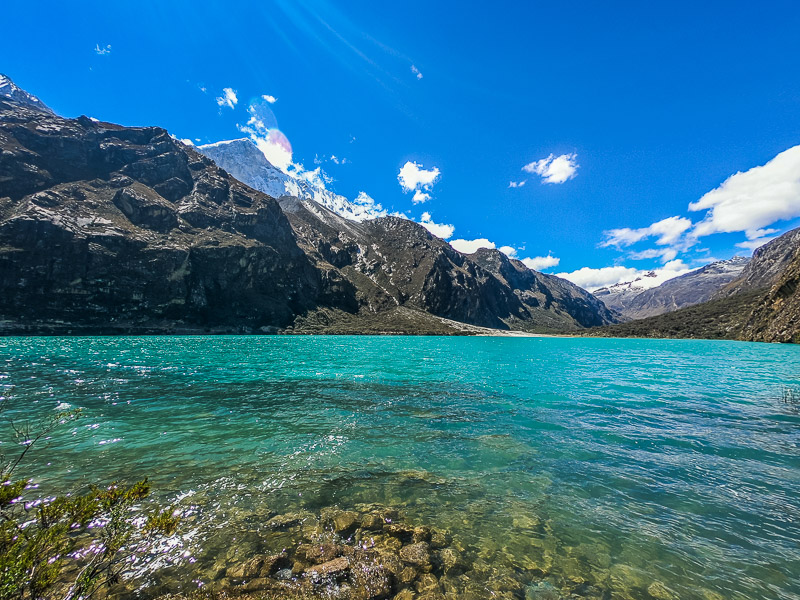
112 229
635 301
761 304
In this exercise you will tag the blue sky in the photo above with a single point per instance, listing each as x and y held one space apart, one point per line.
650 107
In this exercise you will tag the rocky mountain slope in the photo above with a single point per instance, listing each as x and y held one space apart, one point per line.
106 228
634 302
393 262
10 91
114 228
766 266
762 304
776 318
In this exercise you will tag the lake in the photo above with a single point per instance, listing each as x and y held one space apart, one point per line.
599 467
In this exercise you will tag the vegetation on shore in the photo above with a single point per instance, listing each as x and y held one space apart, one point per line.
723 319
71 545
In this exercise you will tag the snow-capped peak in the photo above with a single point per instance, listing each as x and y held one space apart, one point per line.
242 159
8 89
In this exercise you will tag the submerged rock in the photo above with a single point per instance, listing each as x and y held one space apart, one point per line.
542 591
417 555
333 568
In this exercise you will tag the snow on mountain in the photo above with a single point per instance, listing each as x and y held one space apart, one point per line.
653 295
8 89
242 159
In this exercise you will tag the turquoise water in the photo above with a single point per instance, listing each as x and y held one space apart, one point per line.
641 467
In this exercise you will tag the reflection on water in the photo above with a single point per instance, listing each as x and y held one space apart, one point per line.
635 468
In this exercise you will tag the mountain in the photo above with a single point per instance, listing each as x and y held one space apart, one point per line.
618 296
10 91
776 318
698 286
108 228
762 304
242 159
392 262
112 229
766 266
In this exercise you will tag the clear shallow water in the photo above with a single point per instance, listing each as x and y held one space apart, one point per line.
621 463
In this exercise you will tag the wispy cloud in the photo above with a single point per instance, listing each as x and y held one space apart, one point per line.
755 244
102 50
268 98
516 184
416 72
228 98
554 169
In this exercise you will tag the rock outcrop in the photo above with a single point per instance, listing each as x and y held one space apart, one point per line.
776 318
113 228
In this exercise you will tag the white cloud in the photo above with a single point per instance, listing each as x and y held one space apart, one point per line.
470 246
228 98
554 169
592 279
668 230
188 142
416 72
754 199
268 98
420 197
665 254
440 230
538 263
516 184
275 147
753 244
413 177
102 50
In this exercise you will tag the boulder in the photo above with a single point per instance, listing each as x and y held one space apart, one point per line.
417 555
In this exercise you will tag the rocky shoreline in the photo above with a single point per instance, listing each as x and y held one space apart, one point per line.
368 553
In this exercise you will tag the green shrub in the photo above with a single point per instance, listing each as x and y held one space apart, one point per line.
47 547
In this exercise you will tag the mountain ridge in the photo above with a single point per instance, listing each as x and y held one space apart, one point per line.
106 228
685 290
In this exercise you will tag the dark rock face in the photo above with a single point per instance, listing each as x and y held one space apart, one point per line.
112 228
392 262
777 317
766 266
547 299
